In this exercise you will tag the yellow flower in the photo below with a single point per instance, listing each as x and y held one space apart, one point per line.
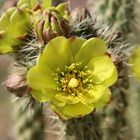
74 75
14 24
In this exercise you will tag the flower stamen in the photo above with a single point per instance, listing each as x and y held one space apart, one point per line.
74 79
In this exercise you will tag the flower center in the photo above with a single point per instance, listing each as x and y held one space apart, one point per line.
73 83
74 80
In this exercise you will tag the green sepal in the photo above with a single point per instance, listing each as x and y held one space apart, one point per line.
63 10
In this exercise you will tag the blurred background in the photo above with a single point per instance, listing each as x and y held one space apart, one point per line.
6 119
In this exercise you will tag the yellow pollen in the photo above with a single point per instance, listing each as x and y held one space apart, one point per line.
73 83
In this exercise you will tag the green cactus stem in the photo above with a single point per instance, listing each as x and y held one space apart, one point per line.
29 122
118 14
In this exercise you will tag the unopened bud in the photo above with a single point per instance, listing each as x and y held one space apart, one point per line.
79 14
50 23
16 84
49 34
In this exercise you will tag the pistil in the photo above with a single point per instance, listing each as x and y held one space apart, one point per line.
73 83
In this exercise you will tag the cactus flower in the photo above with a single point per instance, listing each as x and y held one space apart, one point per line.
14 25
135 61
74 76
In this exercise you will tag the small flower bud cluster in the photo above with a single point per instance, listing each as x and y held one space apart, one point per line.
49 24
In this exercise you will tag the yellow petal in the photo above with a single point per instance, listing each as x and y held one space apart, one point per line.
67 99
104 71
93 95
77 110
38 80
75 44
104 100
91 48
38 95
56 54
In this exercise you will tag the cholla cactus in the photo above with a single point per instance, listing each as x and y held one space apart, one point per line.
73 73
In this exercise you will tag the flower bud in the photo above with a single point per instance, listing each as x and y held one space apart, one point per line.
79 14
49 24
16 84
